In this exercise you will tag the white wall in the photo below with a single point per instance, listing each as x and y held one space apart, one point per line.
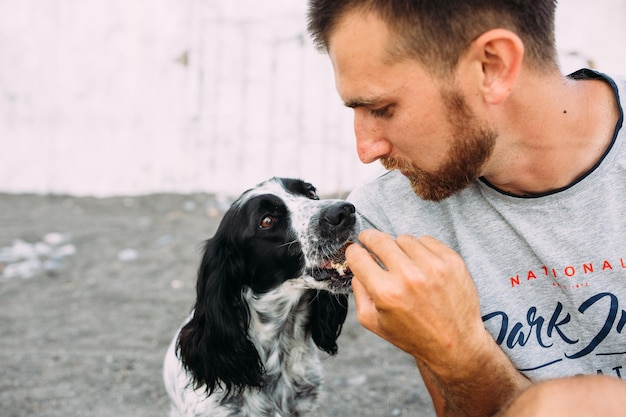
102 97
592 34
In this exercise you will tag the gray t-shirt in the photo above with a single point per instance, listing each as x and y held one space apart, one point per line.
550 270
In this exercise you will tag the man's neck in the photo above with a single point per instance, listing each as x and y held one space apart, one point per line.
566 127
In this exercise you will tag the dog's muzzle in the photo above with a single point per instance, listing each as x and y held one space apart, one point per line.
337 225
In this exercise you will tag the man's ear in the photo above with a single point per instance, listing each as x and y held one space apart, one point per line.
494 60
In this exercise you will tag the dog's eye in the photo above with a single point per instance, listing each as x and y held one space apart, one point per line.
267 222
312 194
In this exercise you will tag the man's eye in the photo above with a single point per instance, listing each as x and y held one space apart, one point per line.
382 112
267 222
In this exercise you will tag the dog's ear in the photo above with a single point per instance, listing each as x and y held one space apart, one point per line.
328 313
214 345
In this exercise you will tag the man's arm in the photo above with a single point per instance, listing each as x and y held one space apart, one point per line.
493 386
577 396
425 302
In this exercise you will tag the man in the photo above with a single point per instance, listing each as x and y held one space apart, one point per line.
499 259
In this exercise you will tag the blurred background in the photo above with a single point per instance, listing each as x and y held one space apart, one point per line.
126 127
133 97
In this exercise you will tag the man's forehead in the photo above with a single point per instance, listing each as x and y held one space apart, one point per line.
359 53
358 36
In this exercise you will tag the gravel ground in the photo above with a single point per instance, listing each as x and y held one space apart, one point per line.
92 290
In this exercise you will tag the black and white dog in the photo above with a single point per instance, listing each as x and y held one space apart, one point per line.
272 288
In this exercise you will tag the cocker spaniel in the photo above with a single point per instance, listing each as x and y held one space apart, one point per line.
272 288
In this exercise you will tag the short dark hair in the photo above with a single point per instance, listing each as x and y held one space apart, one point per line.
437 32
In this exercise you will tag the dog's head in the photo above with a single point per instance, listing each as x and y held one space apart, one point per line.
278 232
285 232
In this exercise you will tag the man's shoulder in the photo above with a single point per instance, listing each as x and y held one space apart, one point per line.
389 204
390 193
391 184
384 200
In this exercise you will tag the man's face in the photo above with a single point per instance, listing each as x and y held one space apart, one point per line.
470 146
405 117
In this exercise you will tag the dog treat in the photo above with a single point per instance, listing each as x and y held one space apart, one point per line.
339 263
340 266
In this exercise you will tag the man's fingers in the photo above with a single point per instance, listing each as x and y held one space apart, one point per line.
365 307
383 246
435 246
362 263
433 255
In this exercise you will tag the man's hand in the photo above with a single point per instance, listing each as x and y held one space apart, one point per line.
423 300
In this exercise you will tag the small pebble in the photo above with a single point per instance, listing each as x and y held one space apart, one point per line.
127 255
176 284
54 238
189 206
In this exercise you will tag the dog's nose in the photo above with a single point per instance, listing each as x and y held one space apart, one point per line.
340 215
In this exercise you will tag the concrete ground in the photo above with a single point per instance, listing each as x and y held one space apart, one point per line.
92 290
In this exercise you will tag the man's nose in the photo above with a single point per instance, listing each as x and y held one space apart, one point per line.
371 143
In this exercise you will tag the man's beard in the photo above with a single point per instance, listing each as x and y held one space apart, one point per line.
472 145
